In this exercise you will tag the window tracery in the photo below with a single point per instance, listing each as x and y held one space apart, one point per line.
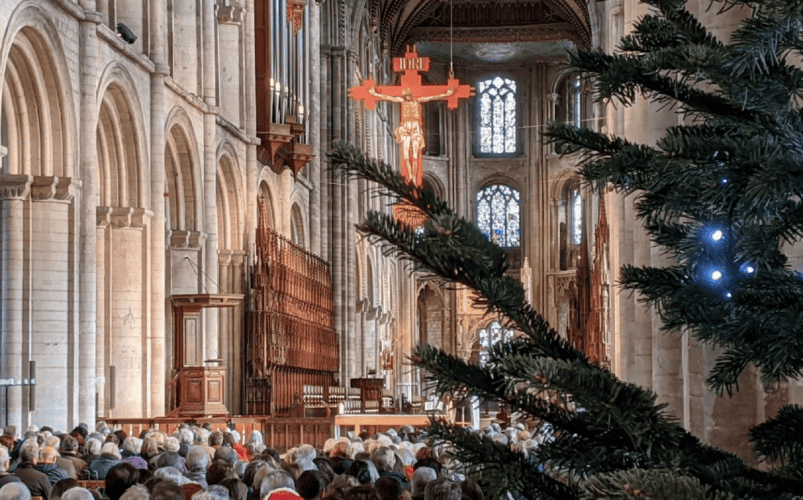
491 335
498 215
497 116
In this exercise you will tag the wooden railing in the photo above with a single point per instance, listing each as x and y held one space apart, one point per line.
279 433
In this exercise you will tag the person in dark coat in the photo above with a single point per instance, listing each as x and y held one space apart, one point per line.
47 464
37 482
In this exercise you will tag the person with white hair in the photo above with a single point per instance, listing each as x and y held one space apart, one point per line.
136 492
109 457
47 464
37 482
5 476
197 463
275 480
92 449
255 436
77 494
171 474
185 439
15 491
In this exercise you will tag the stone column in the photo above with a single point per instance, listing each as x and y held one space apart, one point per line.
337 224
236 371
212 337
252 166
314 128
158 361
14 190
350 234
89 48
224 325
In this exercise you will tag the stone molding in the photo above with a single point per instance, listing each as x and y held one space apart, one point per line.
15 187
193 240
230 14
123 217
60 189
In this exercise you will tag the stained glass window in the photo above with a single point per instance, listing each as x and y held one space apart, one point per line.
577 217
490 335
497 116
498 215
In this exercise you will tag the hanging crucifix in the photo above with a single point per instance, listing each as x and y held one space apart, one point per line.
411 93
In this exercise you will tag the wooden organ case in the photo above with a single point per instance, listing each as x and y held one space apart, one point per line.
291 340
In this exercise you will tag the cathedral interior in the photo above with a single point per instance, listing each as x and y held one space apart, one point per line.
167 211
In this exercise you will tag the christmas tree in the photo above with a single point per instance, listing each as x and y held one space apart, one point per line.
722 194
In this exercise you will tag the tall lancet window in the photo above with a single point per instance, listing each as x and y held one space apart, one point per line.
498 215
497 116
577 217
489 336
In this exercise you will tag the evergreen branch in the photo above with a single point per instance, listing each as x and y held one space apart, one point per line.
781 439
502 469
657 484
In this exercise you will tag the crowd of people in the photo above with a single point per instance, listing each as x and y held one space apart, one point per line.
199 463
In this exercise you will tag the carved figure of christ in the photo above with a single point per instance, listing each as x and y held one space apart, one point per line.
410 133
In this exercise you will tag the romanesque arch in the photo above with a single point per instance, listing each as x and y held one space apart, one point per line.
37 210
123 275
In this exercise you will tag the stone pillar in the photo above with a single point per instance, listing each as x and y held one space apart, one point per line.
314 129
88 382
14 190
337 224
236 371
350 202
224 321
210 268
252 166
158 361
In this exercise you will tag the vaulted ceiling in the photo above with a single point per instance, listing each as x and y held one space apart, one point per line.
523 26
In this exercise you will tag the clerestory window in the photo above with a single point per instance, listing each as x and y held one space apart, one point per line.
497 117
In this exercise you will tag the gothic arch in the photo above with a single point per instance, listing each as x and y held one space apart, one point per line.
37 116
229 198
182 173
121 140
264 193
297 225
432 182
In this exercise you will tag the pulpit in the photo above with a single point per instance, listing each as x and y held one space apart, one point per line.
199 386
370 390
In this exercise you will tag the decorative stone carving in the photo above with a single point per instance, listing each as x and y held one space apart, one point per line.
187 239
130 217
15 187
230 14
295 13
54 188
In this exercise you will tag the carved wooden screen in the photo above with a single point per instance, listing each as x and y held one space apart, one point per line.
588 307
291 340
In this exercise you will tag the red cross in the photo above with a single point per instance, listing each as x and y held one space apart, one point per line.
411 65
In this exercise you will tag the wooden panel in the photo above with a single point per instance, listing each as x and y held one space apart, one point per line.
191 340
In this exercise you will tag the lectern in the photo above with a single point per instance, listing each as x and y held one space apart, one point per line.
197 389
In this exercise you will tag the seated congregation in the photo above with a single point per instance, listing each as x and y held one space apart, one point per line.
197 463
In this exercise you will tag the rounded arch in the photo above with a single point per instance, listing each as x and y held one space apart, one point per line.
266 205
37 114
434 184
297 225
229 198
182 172
122 151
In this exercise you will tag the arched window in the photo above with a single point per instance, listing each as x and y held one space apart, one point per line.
497 116
498 215
489 336
571 223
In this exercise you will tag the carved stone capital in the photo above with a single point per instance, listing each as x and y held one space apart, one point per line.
104 215
54 188
15 187
224 257
187 239
230 14
238 258
130 217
